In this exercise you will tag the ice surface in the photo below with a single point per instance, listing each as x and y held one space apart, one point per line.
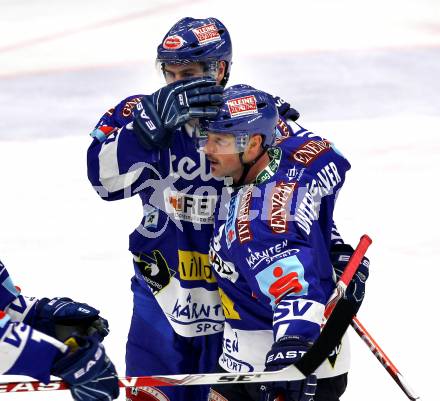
362 74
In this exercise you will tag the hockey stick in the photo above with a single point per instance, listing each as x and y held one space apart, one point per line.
383 359
308 364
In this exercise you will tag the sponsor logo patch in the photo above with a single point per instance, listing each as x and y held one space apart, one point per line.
151 216
129 106
192 208
155 270
279 203
224 269
283 277
242 106
173 42
195 266
206 315
243 223
206 34
310 151
230 233
282 131
269 255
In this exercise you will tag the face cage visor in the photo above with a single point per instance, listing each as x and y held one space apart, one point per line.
221 143
189 69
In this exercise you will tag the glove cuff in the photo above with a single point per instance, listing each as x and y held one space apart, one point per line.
341 248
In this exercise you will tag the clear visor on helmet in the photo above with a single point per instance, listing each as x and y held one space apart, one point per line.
219 142
175 70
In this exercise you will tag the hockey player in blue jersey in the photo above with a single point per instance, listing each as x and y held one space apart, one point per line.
272 249
33 342
145 146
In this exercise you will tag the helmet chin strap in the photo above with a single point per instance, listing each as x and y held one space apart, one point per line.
247 166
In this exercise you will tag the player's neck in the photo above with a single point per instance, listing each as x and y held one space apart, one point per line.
257 168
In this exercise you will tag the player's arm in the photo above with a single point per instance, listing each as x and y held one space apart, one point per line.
116 162
292 287
21 346
120 158
56 317
83 364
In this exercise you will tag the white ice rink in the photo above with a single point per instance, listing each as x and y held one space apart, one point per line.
365 74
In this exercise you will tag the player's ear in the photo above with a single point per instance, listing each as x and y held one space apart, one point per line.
253 148
255 142
221 70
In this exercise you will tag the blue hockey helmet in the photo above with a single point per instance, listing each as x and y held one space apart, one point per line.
246 111
197 40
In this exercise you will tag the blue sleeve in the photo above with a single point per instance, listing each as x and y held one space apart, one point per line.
8 292
292 270
116 162
290 281
25 351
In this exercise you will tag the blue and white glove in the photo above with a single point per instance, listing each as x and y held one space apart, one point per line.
89 372
340 255
158 115
284 352
63 317
285 110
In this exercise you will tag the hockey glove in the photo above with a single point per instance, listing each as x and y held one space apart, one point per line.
89 372
159 114
284 352
284 109
340 254
63 317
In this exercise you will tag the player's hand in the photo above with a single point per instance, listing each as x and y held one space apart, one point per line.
88 370
285 110
340 255
63 317
159 114
284 352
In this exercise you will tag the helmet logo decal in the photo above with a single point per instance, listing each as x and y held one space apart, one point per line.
206 34
173 42
242 106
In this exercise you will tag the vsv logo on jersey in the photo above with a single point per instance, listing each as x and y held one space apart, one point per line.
283 277
298 309
195 266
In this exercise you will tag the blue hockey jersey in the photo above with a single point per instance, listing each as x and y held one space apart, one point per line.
270 252
178 195
23 350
